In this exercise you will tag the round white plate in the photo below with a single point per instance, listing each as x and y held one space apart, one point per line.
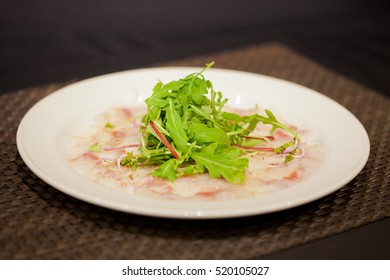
43 130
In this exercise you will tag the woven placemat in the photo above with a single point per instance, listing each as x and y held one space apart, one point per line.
39 222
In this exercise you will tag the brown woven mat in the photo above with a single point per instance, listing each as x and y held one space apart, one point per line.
39 222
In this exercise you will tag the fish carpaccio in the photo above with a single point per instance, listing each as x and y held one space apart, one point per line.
116 132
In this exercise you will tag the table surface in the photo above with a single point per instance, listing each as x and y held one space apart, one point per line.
39 222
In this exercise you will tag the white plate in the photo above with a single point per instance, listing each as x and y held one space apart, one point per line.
43 129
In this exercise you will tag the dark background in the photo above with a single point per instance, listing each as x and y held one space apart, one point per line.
46 41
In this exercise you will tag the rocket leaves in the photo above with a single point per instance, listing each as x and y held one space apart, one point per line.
222 161
203 134
175 127
187 132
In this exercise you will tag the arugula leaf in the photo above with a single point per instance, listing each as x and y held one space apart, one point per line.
276 124
167 170
197 90
203 134
203 114
231 116
175 127
224 162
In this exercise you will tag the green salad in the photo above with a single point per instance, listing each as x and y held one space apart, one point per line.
186 131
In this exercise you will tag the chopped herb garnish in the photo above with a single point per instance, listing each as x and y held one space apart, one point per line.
94 148
109 125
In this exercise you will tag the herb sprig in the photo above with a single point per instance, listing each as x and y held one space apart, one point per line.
186 132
